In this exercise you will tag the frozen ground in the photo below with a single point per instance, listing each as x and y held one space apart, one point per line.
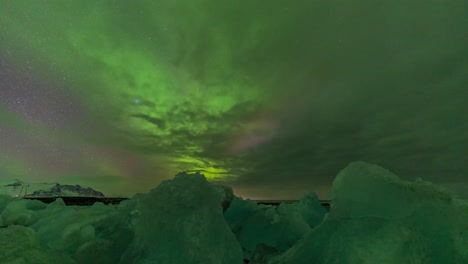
374 218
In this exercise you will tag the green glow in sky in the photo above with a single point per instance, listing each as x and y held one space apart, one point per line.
145 71
272 98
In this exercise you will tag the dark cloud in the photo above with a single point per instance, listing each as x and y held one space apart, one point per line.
155 121
334 82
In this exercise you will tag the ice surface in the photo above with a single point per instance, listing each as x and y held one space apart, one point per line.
22 212
279 228
308 208
76 232
83 232
181 221
263 254
377 218
228 195
18 245
4 200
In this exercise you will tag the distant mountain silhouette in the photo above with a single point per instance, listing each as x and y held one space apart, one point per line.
20 188
68 190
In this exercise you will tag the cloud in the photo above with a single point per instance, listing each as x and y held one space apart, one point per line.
155 121
277 97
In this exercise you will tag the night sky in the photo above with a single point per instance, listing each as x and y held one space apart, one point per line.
273 98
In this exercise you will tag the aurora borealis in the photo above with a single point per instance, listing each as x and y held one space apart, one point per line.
270 98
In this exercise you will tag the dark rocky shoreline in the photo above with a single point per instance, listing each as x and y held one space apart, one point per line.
80 201
86 201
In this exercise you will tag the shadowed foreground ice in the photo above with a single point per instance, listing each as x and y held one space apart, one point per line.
374 218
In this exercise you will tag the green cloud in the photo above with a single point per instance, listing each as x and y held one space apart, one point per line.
260 93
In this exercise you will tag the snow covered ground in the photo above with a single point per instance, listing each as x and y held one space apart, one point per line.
19 188
374 218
